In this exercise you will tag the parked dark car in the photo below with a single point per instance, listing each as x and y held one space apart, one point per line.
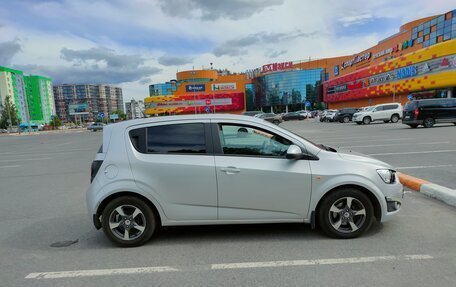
270 117
429 112
345 115
252 113
293 116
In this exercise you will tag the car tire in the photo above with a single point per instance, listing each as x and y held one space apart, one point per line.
129 214
276 122
359 123
367 120
394 118
428 122
413 126
346 119
339 220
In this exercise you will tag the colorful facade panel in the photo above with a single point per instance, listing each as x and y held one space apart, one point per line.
195 103
428 68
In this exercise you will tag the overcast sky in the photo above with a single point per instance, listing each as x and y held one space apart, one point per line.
133 43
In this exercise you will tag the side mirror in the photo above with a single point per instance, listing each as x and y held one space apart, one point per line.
294 152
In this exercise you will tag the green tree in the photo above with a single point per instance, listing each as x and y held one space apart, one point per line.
122 115
55 122
9 113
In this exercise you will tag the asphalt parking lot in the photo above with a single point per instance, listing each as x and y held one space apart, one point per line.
43 180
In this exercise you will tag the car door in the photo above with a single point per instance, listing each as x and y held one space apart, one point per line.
255 181
378 113
175 164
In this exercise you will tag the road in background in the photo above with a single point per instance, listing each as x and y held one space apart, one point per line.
43 179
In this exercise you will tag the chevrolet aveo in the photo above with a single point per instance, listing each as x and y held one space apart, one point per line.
226 169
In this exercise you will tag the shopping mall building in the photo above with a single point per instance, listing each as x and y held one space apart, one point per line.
417 62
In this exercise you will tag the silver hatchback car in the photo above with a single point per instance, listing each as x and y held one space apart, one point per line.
227 169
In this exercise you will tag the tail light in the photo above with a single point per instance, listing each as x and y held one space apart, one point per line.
416 113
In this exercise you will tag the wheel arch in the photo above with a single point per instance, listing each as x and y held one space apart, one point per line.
115 195
366 191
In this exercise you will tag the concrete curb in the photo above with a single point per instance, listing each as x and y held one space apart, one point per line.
436 191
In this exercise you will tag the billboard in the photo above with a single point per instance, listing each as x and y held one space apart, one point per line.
224 87
78 109
198 103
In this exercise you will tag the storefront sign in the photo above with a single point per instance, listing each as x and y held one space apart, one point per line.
382 53
189 103
406 72
195 88
423 68
336 70
382 78
277 67
355 60
224 87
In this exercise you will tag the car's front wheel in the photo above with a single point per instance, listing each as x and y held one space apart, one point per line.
366 120
345 213
128 221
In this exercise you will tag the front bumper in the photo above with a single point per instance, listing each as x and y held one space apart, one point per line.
394 196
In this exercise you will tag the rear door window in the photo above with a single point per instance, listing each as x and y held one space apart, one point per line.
177 138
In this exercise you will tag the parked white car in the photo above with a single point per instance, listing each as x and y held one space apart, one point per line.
305 113
383 112
330 114
229 169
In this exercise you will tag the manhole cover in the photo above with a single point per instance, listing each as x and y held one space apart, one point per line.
64 243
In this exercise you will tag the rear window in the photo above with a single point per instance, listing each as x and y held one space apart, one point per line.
179 138
410 106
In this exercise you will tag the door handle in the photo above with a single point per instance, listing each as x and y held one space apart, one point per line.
230 170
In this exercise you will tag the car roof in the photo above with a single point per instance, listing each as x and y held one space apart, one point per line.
129 123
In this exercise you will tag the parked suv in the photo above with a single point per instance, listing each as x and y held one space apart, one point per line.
345 115
227 169
429 112
384 112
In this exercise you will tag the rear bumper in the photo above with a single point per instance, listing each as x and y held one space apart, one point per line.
412 122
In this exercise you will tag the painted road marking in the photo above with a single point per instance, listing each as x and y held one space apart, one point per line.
414 152
25 159
361 141
223 266
8 166
380 145
424 166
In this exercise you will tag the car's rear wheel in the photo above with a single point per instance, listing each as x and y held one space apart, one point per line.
128 221
366 120
346 119
345 213
394 118
428 122
276 122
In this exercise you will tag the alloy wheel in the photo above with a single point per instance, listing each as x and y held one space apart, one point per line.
347 214
127 222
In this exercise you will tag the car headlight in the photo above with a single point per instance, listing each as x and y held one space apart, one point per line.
387 175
